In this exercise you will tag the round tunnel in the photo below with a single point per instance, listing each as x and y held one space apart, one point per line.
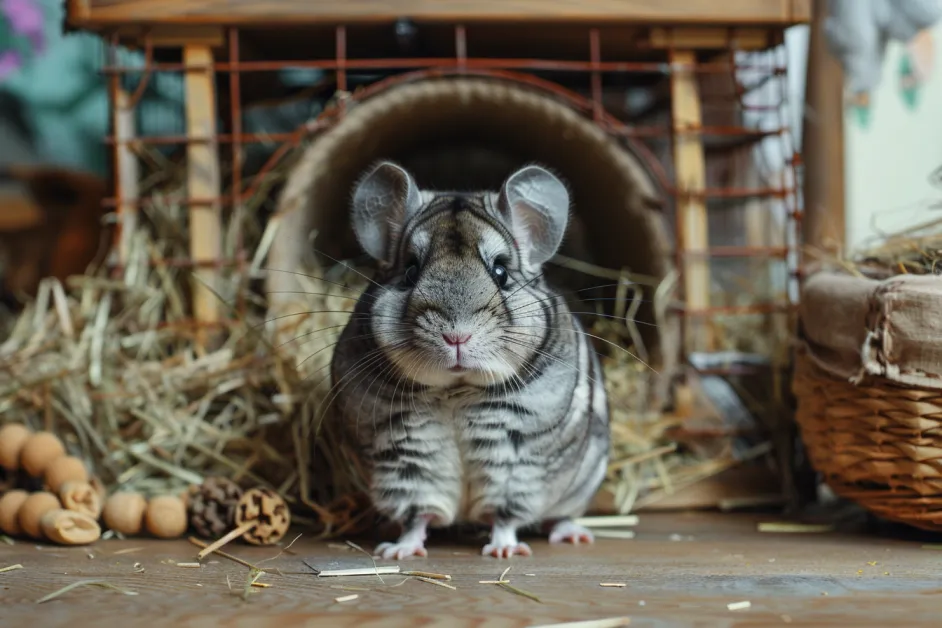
461 133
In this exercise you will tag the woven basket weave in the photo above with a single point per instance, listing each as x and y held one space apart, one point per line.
878 444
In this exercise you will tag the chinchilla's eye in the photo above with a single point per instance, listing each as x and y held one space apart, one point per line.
411 275
499 272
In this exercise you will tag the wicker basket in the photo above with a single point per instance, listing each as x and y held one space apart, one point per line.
875 439
879 444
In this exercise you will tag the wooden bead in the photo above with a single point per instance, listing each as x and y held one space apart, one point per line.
165 517
80 497
124 513
13 437
39 452
68 527
32 511
10 505
65 469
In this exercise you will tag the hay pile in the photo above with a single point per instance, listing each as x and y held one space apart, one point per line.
914 251
109 363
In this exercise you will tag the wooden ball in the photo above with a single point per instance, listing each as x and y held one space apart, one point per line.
39 452
65 469
269 510
13 437
32 511
68 527
10 505
124 512
165 517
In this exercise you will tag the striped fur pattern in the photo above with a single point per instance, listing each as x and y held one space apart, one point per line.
465 379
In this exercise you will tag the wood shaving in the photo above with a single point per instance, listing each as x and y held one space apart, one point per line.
624 521
611 622
11 568
614 534
346 598
787 527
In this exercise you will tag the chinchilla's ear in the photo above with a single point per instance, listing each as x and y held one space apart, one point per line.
384 199
536 204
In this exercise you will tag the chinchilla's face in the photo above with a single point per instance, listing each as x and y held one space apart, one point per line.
462 298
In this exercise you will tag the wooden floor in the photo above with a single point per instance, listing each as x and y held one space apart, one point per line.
680 570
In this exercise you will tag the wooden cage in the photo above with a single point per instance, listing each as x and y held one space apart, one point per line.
695 139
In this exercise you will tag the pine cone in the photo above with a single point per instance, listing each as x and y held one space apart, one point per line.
212 506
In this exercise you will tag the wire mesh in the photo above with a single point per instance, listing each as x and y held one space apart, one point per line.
750 189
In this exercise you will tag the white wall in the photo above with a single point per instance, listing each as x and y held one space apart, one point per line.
888 163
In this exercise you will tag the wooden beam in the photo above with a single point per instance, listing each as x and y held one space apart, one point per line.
203 181
171 36
128 173
690 180
260 12
701 38
824 222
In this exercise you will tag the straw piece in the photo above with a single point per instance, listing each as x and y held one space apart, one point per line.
738 606
436 582
236 559
520 592
425 574
11 568
248 526
788 527
84 583
616 585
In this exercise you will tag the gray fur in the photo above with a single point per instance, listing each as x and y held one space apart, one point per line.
384 200
518 438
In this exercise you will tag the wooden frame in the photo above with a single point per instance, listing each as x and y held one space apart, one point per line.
90 14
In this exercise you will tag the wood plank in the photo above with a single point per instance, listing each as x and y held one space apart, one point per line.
680 570
203 180
690 178
172 35
823 223
257 12
701 38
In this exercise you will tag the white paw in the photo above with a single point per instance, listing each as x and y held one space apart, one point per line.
501 550
400 550
569 532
